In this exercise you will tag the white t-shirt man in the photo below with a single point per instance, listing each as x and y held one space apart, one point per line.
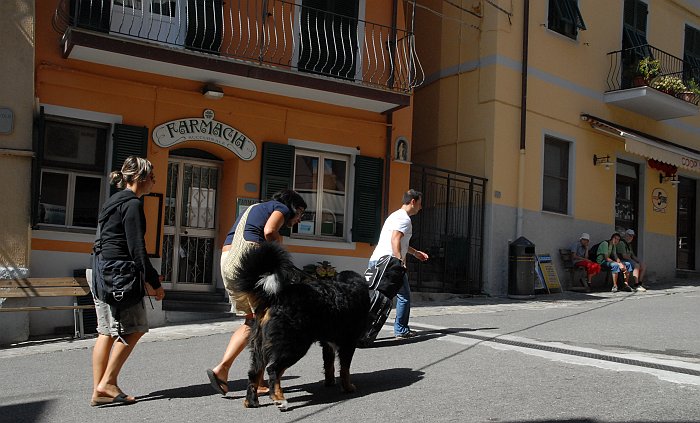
397 221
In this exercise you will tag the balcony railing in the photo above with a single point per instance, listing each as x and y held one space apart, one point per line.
669 74
276 33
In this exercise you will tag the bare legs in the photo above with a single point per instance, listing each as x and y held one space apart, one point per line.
238 341
108 357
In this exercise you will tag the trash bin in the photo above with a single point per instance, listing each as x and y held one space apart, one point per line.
521 269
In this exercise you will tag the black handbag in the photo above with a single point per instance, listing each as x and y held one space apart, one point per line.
118 283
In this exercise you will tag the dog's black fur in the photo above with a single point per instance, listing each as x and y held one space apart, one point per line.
294 310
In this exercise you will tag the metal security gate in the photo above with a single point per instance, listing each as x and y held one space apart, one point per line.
190 225
450 228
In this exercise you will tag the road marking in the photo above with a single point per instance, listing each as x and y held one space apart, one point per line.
671 370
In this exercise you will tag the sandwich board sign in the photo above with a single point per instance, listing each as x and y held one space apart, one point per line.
548 272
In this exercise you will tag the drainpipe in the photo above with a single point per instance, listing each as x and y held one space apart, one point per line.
523 123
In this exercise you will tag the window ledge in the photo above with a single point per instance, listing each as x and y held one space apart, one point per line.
320 243
556 213
64 234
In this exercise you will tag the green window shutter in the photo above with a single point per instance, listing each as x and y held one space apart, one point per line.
277 172
38 146
127 141
277 169
366 216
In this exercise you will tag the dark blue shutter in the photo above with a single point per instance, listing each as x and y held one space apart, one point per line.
366 216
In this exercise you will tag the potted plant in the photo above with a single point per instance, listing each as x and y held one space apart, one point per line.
647 69
322 270
692 93
670 84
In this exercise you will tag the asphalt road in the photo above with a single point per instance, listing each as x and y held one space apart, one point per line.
573 357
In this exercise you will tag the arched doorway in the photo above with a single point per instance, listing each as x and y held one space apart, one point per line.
189 231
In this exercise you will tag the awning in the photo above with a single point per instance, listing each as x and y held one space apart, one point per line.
649 146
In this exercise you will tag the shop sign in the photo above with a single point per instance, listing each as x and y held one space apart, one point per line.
205 129
659 200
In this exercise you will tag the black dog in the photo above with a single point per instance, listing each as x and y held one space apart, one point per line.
294 310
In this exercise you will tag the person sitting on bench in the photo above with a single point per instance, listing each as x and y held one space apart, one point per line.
606 256
579 257
626 254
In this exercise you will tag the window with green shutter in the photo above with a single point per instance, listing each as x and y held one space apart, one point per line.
565 17
367 199
69 171
322 178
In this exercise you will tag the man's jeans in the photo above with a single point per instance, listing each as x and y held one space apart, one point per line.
403 304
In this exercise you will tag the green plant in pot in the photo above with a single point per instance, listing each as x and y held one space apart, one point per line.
670 84
692 94
647 69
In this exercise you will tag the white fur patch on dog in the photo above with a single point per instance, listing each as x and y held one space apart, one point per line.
270 284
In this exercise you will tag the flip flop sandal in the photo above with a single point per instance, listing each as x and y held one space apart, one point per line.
122 399
217 383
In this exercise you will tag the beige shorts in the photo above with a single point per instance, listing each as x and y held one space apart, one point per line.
229 261
131 320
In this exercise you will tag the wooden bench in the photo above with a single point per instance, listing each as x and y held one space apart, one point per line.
601 281
48 287
578 279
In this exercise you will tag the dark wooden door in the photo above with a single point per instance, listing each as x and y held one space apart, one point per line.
627 196
685 230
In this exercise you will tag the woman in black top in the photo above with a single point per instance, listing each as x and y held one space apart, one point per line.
122 236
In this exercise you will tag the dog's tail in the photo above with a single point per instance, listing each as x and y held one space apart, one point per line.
262 274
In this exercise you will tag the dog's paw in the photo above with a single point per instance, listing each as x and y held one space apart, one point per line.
349 387
282 405
251 404
329 381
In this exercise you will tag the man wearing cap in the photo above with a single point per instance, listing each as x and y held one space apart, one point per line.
579 255
626 254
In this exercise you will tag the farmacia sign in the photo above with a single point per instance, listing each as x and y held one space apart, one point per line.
205 129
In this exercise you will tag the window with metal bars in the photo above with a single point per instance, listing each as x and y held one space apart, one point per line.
565 18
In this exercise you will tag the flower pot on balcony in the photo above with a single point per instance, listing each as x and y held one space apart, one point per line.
639 81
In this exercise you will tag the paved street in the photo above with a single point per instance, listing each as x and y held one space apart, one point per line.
564 357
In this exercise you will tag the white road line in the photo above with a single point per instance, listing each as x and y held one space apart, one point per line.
669 376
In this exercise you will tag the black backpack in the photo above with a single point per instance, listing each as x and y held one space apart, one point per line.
593 252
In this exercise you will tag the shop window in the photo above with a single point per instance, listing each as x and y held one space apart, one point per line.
555 183
565 18
72 172
323 180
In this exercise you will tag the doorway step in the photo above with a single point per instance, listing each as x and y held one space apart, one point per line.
191 306
687 274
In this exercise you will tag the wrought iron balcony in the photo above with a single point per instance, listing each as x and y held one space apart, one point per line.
653 83
268 34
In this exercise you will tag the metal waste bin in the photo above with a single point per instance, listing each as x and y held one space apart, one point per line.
521 269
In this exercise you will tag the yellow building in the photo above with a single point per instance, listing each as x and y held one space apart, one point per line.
231 101
581 115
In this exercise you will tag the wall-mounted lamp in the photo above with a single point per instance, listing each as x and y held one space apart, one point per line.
604 160
212 92
673 179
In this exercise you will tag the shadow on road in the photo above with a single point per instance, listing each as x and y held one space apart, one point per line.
367 384
32 411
